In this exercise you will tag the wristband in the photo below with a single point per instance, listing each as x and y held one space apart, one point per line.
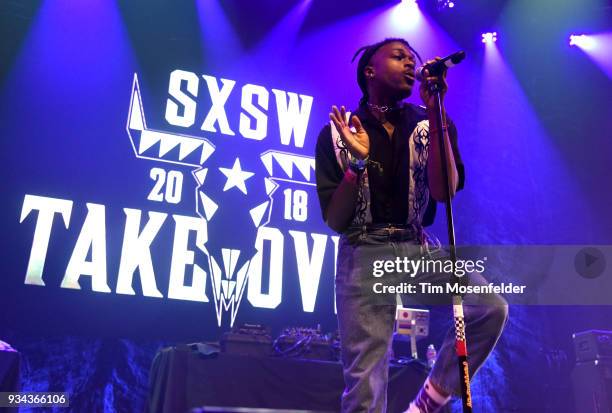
358 165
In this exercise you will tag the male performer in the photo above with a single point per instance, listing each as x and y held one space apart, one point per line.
378 179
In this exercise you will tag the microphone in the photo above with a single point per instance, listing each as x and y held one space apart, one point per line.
437 68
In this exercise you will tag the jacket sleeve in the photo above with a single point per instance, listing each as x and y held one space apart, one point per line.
327 171
430 212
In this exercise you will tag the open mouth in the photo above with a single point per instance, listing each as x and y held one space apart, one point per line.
409 78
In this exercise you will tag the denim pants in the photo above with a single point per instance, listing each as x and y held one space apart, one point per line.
366 320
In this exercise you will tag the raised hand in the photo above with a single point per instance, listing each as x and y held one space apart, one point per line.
358 142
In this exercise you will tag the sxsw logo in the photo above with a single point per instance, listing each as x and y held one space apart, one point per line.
233 188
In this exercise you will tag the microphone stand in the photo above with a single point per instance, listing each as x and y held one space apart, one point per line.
460 342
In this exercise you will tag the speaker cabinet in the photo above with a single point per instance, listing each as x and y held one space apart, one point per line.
592 382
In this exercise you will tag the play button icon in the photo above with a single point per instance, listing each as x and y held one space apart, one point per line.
590 262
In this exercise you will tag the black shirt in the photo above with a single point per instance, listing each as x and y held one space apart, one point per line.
389 187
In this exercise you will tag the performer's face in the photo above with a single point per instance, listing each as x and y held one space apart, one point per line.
392 68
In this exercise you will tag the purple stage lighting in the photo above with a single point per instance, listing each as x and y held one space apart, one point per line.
598 46
406 16
489 37
582 41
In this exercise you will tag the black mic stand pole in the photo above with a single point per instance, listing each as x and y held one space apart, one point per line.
460 342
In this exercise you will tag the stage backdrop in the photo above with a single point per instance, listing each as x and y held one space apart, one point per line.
159 164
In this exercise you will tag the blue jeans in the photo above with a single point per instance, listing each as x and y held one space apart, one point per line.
366 320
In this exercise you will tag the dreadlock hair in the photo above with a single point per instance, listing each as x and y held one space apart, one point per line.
364 60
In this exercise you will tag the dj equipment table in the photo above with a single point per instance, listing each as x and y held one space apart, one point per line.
183 378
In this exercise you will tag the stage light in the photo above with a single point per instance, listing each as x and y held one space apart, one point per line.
406 16
598 46
582 41
490 37
445 4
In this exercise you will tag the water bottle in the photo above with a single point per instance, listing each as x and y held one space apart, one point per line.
431 355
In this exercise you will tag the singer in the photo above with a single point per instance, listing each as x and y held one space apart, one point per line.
378 180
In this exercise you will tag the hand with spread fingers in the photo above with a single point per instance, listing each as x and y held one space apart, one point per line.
358 142
426 95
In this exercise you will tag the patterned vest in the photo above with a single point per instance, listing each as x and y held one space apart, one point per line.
418 195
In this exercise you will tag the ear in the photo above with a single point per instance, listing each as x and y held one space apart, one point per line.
369 72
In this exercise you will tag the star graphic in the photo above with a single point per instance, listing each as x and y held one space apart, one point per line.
236 177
